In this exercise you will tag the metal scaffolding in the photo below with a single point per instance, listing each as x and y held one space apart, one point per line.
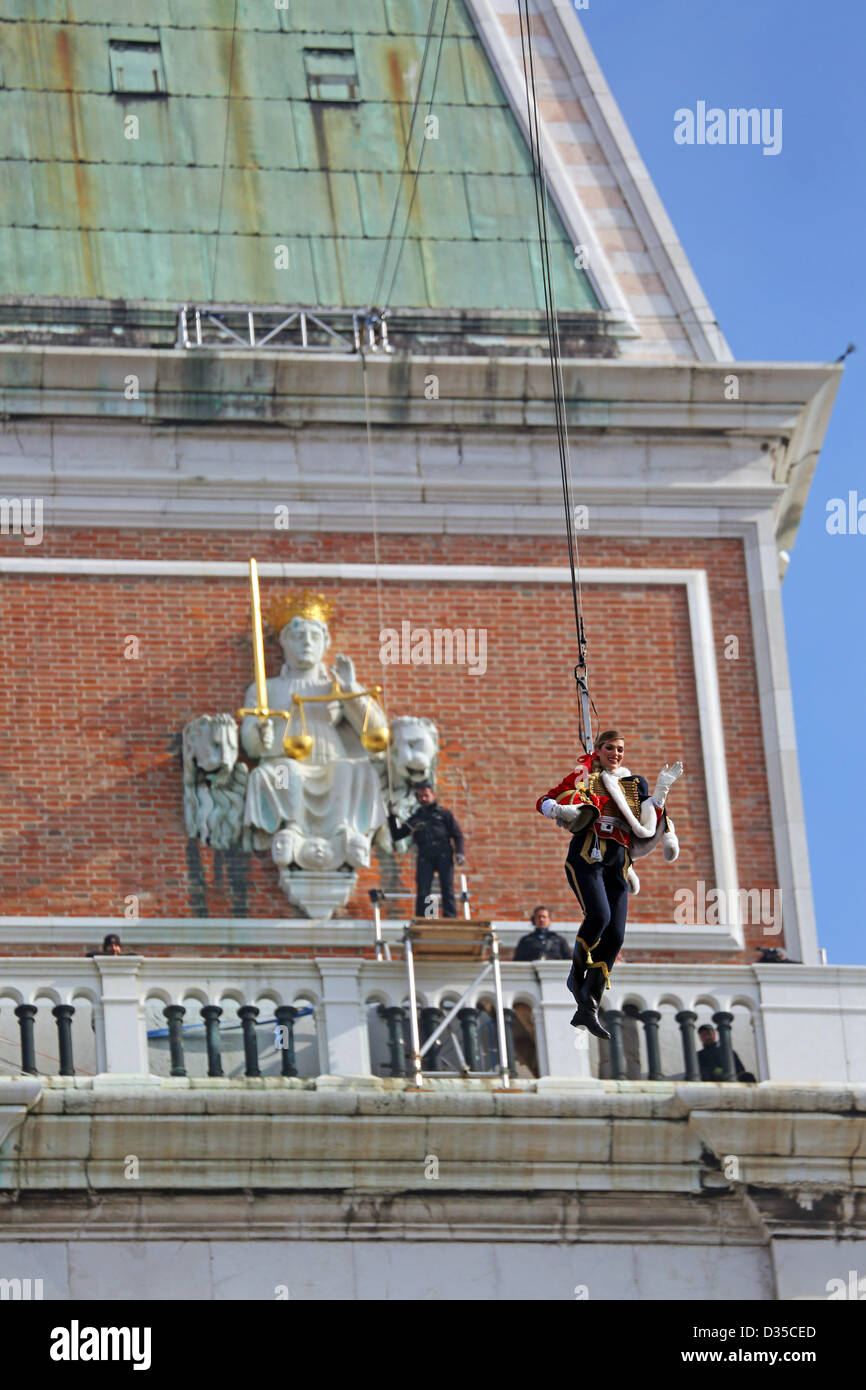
281 328
446 939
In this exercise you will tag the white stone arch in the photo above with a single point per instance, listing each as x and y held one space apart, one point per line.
706 1001
10 1034
157 993
230 994
266 998
84 993
193 994
46 993
629 997
376 997
307 996
668 999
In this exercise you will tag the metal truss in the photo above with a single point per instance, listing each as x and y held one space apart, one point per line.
293 330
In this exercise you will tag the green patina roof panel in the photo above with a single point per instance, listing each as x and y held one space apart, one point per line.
439 205
86 212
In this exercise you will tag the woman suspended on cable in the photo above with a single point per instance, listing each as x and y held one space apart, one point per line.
613 820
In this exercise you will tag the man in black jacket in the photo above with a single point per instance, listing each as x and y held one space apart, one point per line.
434 831
542 943
710 1058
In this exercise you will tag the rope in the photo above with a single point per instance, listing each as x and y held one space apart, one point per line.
554 341
374 519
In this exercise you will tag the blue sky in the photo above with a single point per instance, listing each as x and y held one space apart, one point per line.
777 244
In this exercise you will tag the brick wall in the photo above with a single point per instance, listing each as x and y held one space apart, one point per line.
91 806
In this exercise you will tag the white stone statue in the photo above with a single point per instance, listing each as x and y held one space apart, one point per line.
319 814
214 782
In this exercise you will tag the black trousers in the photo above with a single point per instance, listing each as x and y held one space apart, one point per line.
602 891
443 865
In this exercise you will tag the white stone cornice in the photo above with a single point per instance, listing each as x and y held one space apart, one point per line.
295 932
291 389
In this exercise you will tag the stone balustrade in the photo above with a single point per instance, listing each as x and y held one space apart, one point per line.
345 1016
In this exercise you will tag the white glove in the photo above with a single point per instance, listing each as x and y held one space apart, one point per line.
670 845
633 880
665 781
572 817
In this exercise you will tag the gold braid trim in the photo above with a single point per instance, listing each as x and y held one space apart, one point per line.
598 964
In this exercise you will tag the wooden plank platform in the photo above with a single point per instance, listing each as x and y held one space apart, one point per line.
448 938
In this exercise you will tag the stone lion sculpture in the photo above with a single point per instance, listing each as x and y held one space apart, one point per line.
412 754
214 782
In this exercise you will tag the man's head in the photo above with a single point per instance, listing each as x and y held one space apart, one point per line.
707 1034
610 749
425 793
111 945
540 918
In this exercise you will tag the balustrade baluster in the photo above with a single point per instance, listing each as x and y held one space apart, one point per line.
471 1043
395 1017
211 1015
687 1020
174 1015
723 1022
26 1013
612 1020
63 1014
509 1040
430 1020
285 1014
650 1020
248 1013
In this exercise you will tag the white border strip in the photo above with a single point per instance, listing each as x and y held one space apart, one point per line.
296 932
700 620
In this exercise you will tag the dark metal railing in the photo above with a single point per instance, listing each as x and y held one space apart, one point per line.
615 1051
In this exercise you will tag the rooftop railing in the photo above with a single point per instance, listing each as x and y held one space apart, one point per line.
346 1016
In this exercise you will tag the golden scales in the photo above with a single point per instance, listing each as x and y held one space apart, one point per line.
299 746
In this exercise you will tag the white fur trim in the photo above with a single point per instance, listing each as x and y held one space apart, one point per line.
614 791
670 847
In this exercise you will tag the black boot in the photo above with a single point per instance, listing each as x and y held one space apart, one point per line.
588 999
577 973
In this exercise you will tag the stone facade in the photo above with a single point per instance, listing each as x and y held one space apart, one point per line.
588 1190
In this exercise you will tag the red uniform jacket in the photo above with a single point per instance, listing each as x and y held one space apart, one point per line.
567 794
